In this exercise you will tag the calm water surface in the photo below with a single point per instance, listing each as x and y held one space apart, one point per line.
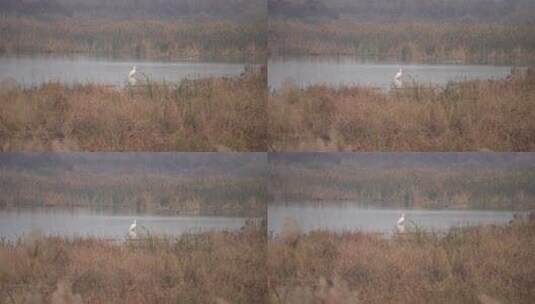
347 217
336 71
14 224
34 70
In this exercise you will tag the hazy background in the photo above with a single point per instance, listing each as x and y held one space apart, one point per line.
237 10
406 10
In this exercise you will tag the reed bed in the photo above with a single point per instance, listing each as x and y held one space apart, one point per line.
477 115
144 38
419 41
213 267
214 114
485 264
419 186
134 192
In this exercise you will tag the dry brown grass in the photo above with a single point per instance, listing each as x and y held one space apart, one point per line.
214 267
466 116
216 114
490 264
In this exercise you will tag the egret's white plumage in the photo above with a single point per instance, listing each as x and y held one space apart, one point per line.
132 76
399 74
400 225
132 72
132 230
401 219
397 79
133 226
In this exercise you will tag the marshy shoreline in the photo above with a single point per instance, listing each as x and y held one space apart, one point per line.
206 267
484 264
472 115
212 114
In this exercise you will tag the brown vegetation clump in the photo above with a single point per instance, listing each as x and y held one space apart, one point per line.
205 268
193 115
477 115
487 264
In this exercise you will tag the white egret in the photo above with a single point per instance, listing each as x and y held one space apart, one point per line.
400 225
397 79
398 75
401 219
132 230
131 76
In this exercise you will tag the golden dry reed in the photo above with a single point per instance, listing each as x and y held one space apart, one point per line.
214 114
214 267
482 265
496 115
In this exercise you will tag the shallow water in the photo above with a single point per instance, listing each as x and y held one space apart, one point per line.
335 71
36 69
338 217
84 223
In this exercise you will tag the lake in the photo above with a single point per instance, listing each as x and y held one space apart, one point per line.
36 69
85 223
338 217
335 71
